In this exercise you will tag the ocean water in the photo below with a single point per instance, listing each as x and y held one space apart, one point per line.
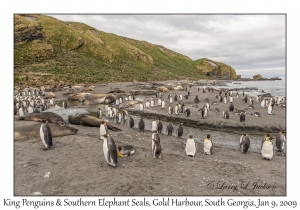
254 88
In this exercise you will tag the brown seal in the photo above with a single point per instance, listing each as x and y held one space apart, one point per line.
33 130
91 121
39 117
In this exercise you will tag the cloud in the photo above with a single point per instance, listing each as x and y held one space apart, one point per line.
254 42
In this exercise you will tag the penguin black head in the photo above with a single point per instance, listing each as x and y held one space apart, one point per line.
190 136
208 136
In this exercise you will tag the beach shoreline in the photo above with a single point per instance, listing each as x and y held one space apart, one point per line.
77 165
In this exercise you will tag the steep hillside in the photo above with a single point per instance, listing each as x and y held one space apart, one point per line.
51 51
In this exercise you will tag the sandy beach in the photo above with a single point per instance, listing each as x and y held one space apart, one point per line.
76 164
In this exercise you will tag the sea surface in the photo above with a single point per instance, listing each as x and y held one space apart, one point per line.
254 88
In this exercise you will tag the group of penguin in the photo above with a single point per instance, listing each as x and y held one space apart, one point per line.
26 100
268 102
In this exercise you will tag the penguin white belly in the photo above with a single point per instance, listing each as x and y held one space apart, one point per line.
270 110
190 147
154 126
102 130
152 103
105 151
42 136
207 146
267 150
163 105
159 102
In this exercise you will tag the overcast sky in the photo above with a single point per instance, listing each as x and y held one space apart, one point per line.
251 44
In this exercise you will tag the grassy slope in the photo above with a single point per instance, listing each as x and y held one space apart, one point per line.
51 51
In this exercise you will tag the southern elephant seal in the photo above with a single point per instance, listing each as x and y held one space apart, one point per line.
90 121
33 130
39 117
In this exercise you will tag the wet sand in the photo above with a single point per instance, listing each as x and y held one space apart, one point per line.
77 165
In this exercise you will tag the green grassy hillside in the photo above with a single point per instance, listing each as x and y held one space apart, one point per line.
55 52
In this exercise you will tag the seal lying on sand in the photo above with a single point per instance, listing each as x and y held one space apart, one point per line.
39 117
90 121
33 130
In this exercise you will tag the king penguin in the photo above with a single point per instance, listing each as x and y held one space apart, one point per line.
270 108
141 125
103 130
208 145
170 129
170 110
156 147
163 104
64 104
244 143
180 130
110 150
267 147
99 113
280 142
159 126
242 116
45 134
190 147
187 111
154 125
131 122
226 114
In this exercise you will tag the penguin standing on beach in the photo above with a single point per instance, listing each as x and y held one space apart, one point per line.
190 147
242 116
204 112
154 125
163 104
176 109
187 111
263 103
231 107
46 134
170 110
280 142
170 129
267 147
99 113
141 106
244 143
152 102
118 117
225 114
110 150
156 147
147 104
159 102
270 108
131 122
175 97
103 129
141 125
180 97
225 100
64 104
180 130
159 126
196 100
208 145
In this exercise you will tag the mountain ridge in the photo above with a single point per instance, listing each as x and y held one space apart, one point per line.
48 50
